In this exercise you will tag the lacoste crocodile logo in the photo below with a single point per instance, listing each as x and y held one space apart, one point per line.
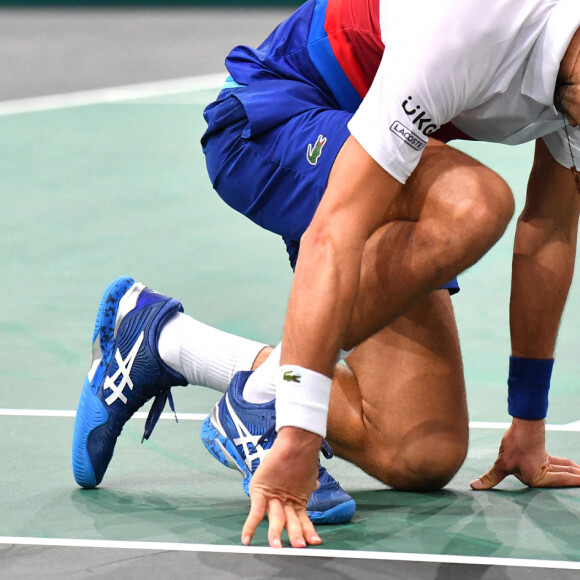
288 376
313 153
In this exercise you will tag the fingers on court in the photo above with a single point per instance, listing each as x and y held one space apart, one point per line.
560 476
300 529
256 515
277 522
308 528
294 528
562 461
490 479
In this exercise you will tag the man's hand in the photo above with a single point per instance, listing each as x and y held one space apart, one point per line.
523 453
281 488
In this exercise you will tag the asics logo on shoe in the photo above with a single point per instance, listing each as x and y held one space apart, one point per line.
248 441
124 371
288 376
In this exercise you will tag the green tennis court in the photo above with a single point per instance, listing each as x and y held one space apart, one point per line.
113 182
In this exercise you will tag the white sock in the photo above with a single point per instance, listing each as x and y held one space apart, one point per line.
204 355
260 387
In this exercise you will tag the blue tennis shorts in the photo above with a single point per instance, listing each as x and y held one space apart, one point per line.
269 151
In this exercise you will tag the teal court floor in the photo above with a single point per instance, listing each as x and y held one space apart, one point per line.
112 182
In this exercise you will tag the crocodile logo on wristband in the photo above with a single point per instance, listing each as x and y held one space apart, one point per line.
288 376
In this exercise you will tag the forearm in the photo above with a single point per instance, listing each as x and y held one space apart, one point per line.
542 271
357 197
544 255
543 266
321 300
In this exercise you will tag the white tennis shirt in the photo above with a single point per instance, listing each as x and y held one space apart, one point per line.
488 66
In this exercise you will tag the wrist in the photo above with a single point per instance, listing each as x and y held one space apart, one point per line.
302 398
528 433
299 440
528 423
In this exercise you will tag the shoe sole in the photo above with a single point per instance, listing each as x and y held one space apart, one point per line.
340 514
222 449
90 411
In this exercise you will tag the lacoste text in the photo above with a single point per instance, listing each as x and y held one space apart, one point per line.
406 135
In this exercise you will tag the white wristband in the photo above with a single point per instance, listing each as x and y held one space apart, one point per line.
302 399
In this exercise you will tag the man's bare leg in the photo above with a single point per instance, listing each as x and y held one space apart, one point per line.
398 410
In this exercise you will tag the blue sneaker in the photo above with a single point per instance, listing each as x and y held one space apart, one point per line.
126 372
239 434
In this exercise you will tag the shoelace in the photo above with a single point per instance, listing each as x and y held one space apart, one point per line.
326 449
156 410
323 476
266 435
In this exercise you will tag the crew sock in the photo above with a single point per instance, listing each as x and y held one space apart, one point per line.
204 355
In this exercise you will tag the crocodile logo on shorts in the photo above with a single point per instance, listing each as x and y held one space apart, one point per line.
288 376
313 153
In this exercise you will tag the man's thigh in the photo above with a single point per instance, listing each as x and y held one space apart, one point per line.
406 381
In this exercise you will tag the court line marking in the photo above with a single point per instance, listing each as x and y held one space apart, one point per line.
311 553
112 94
63 413
323 553
575 426
568 427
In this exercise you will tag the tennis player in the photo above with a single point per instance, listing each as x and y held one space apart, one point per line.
333 135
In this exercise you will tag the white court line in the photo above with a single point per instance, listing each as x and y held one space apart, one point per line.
569 427
310 553
61 413
320 553
112 94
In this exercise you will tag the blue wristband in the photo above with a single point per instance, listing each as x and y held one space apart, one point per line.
528 386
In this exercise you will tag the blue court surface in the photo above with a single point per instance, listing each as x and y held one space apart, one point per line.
106 177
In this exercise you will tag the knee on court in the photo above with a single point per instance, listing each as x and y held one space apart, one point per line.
427 464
